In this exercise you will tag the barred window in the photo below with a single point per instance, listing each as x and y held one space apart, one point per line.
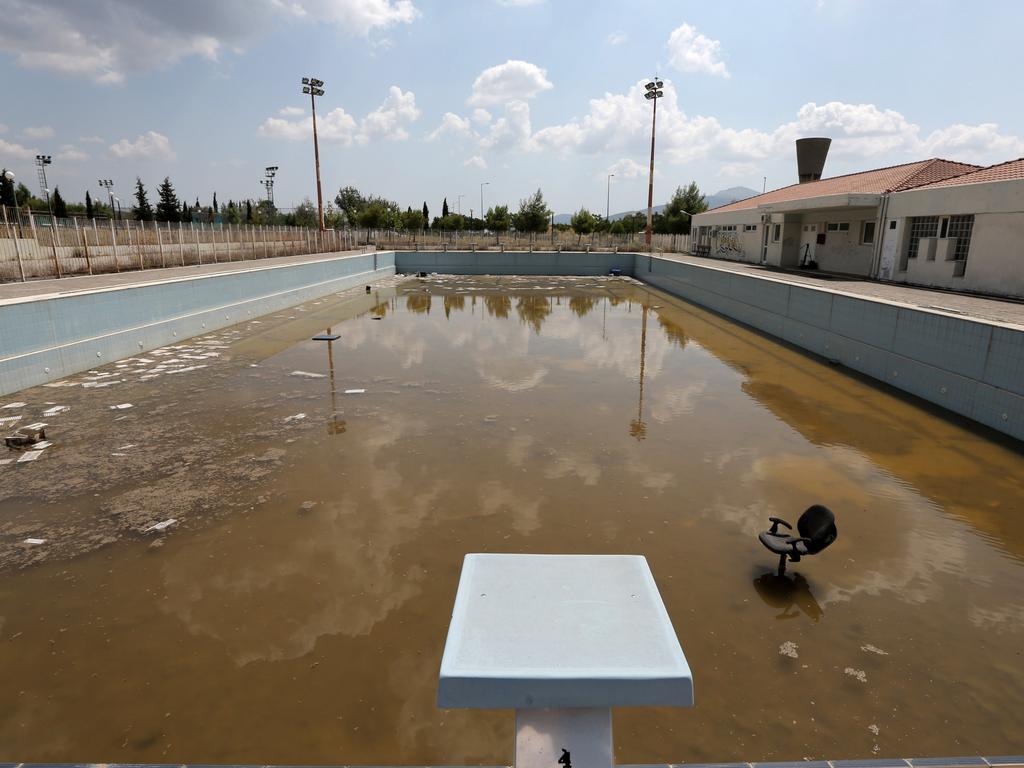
921 226
961 228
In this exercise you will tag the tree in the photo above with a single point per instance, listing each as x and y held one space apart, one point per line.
533 214
185 215
232 214
248 211
444 209
376 215
583 222
143 210
7 190
413 220
60 208
167 207
306 214
351 202
498 219
23 195
215 209
683 205
89 212
426 215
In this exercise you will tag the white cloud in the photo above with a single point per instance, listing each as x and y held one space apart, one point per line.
149 145
92 139
454 125
618 37
512 131
104 41
291 111
738 170
690 51
512 81
476 162
628 169
38 132
15 151
974 143
388 121
481 116
71 153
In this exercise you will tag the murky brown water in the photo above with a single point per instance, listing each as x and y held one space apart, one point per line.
508 416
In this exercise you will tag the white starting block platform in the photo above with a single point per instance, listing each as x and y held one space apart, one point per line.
561 639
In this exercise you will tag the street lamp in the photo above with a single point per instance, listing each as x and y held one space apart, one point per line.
41 162
9 176
314 88
118 201
608 199
482 185
108 184
268 182
652 93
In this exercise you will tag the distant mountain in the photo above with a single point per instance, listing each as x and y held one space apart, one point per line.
726 196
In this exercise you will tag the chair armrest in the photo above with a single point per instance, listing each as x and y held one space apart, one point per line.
794 540
776 522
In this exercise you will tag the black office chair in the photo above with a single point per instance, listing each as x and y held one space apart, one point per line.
817 528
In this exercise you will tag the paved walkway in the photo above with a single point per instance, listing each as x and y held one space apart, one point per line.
960 304
34 289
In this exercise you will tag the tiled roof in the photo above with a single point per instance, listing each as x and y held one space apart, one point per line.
1009 171
876 182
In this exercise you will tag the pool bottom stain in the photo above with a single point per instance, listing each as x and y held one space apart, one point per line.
298 609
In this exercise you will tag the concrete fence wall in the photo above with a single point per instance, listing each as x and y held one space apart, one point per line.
513 262
48 338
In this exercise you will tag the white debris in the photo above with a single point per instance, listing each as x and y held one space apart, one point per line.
15 405
9 420
37 425
872 649
126 447
355 391
30 456
163 525
874 729
788 648
98 385
41 445
296 417
4 462
860 674
34 542
61 384
121 407
307 374
186 370
56 409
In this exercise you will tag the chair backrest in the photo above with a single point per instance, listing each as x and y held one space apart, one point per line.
818 524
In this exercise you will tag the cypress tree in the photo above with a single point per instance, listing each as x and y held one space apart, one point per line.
248 211
60 208
143 210
167 207
89 212
426 215
444 209
215 202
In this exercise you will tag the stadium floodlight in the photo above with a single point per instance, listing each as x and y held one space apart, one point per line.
652 93
314 87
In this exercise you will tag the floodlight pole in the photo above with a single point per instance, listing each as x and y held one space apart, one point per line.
314 88
653 93
108 184
608 198
482 185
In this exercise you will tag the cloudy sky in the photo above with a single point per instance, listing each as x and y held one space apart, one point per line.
429 98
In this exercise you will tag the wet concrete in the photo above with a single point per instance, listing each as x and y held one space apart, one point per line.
297 610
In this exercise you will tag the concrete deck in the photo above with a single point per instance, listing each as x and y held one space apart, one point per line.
37 289
967 305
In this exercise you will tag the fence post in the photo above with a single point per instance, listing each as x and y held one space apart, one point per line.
160 243
17 247
195 233
80 236
252 236
113 240
181 247
263 231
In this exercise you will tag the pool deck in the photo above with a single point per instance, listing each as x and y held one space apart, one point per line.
982 308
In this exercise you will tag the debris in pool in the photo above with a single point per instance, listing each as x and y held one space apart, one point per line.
296 417
326 337
860 674
163 525
15 405
376 317
490 419
355 391
254 365
26 436
872 649
121 407
30 456
56 409
34 542
788 648
307 374
874 729
9 420
306 506
41 445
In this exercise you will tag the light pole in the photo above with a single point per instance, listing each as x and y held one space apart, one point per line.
653 93
459 203
608 198
108 184
482 185
314 88
41 162
268 183
118 201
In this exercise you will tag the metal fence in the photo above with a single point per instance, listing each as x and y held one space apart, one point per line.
36 246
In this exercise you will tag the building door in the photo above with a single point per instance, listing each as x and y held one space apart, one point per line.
765 227
808 241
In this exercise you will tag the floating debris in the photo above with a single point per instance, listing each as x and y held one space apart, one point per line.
15 405
326 337
41 445
296 417
874 729
56 409
872 649
121 407
26 436
788 648
355 391
307 375
9 420
30 456
860 674
163 525
34 542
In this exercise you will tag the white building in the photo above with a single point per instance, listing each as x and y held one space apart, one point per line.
933 222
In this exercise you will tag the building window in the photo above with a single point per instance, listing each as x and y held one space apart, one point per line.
944 227
776 233
839 226
921 226
961 228
867 235
892 224
750 227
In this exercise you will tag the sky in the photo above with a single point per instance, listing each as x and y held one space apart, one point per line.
427 99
